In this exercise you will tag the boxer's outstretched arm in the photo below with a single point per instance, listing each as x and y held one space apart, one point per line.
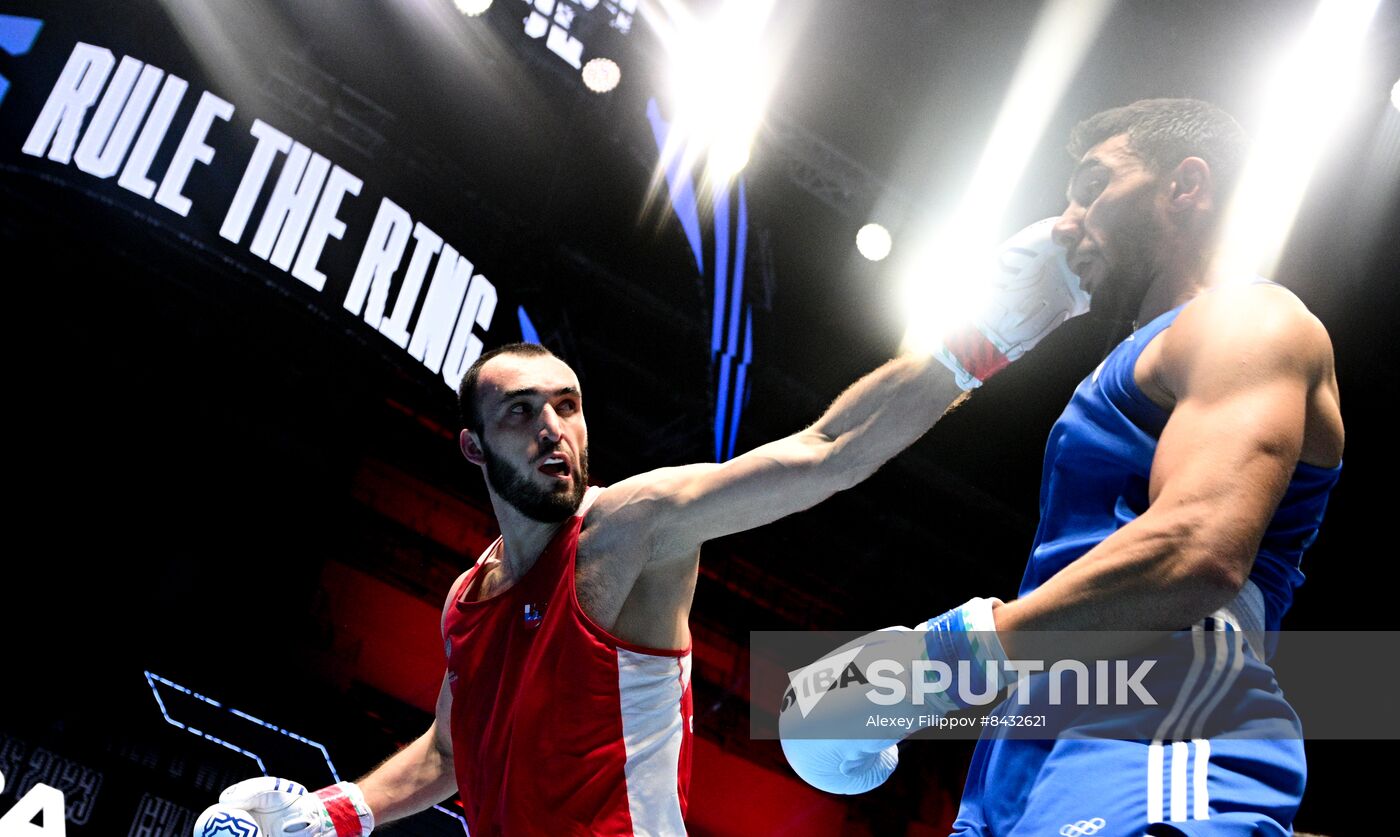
1242 368
1030 291
418 776
877 417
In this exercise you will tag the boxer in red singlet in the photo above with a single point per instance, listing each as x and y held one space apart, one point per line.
566 704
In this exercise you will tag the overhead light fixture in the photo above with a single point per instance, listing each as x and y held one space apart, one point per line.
721 70
472 8
601 75
873 242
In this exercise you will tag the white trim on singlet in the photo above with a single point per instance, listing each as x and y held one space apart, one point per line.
652 688
588 497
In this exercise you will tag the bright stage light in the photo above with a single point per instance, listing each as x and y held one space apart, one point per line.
952 262
873 242
946 293
1062 36
1395 96
601 75
472 8
1308 94
721 71
727 158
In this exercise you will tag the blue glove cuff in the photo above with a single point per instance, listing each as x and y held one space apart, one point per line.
966 634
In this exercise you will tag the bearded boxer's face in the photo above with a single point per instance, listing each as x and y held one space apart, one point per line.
1111 229
533 442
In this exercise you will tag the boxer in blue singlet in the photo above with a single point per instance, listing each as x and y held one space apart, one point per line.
1181 486
1186 477
1097 472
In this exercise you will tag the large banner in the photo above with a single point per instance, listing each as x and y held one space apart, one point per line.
128 120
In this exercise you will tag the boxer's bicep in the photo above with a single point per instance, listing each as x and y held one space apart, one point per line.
1221 469
1229 448
441 730
442 720
681 508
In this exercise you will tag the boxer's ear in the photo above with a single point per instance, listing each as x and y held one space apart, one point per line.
471 447
1192 186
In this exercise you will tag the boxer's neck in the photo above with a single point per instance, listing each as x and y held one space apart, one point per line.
1186 270
523 538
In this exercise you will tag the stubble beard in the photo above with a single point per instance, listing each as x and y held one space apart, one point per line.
1124 285
536 503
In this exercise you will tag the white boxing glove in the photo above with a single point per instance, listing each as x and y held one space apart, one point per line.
226 821
1032 293
839 695
837 766
816 708
282 808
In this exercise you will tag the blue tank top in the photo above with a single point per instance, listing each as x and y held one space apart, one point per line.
1095 479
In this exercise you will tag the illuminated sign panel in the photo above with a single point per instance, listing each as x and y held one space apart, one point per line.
111 118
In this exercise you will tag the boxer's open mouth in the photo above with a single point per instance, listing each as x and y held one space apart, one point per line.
557 467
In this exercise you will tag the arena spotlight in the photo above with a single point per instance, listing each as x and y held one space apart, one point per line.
472 8
1309 92
720 73
944 279
1062 36
601 74
873 242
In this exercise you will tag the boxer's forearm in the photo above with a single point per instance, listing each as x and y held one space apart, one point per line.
677 509
413 779
884 412
1155 574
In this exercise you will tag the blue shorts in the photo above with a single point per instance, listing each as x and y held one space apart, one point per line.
1077 788
1222 755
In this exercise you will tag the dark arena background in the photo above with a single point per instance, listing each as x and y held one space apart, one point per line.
236 499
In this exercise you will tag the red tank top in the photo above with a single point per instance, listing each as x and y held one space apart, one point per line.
558 727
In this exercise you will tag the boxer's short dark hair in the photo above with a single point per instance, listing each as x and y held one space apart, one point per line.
1163 132
467 405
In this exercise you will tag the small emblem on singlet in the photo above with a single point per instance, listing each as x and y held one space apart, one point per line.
533 615
1082 828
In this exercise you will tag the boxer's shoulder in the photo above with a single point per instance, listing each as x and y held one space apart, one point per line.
626 579
1258 325
635 509
1261 323
1252 312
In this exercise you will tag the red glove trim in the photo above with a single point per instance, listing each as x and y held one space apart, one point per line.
342 811
978 355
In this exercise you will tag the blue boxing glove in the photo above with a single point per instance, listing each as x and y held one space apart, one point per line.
827 699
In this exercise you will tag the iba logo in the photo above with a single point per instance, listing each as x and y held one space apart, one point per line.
42 803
